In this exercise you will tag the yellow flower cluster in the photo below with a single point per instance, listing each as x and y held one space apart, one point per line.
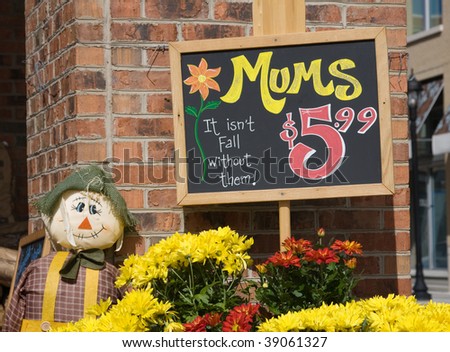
390 314
225 247
138 311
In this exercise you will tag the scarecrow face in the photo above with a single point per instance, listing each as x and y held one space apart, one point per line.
84 220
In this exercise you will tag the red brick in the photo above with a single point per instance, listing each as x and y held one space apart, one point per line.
401 152
161 174
403 241
368 287
158 56
398 61
159 103
235 11
127 57
68 37
396 37
134 198
266 244
88 8
174 9
370 201
397 219
150 127
399 106
132 244
80 80
162 198
398 83
382 241
351 219
324 13
125 8
264 220
401 174
92 129
91 104
368 265
192 31
199 221
400 128
141 80
89 56
159 32
144 174
381 15
161 151
126 103
89 152
159 221
399 264
124 152
401 197
89 32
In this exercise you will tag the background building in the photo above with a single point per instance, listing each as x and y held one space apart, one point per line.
429 62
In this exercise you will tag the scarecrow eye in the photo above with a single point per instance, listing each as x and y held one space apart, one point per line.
93 210
80 206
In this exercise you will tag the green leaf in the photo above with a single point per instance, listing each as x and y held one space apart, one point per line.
201 297
190 110
214 104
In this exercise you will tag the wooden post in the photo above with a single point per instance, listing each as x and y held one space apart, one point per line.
280 17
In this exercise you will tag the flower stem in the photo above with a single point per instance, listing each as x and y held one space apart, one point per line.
197 139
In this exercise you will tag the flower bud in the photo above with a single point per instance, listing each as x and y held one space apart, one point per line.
321 232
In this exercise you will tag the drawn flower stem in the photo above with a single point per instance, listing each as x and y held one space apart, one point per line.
190 110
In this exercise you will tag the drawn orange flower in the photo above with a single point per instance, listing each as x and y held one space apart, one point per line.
201 78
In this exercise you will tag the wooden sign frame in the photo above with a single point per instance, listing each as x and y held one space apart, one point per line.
384 187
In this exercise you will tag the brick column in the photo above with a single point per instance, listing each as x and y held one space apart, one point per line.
99 91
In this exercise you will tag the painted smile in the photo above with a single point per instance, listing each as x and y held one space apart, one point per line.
93 234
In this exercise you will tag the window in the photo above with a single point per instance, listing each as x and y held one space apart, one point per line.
426 14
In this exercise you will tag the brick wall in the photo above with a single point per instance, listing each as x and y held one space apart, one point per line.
12 99
99 91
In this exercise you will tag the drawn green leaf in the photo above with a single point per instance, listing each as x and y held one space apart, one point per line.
190 110
212 105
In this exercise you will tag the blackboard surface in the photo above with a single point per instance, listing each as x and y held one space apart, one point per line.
284 117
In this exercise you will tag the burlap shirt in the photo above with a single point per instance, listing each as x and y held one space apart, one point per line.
26 301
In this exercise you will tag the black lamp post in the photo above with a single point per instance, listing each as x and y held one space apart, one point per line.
420 288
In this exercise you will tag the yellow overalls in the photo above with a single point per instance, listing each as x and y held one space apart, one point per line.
51 288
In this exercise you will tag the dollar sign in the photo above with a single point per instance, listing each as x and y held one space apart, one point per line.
290 132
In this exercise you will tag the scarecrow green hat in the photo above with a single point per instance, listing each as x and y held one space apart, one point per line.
90 178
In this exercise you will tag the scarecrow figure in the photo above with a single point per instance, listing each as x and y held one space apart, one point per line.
83 216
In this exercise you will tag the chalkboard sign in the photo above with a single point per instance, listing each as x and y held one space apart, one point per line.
282 117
